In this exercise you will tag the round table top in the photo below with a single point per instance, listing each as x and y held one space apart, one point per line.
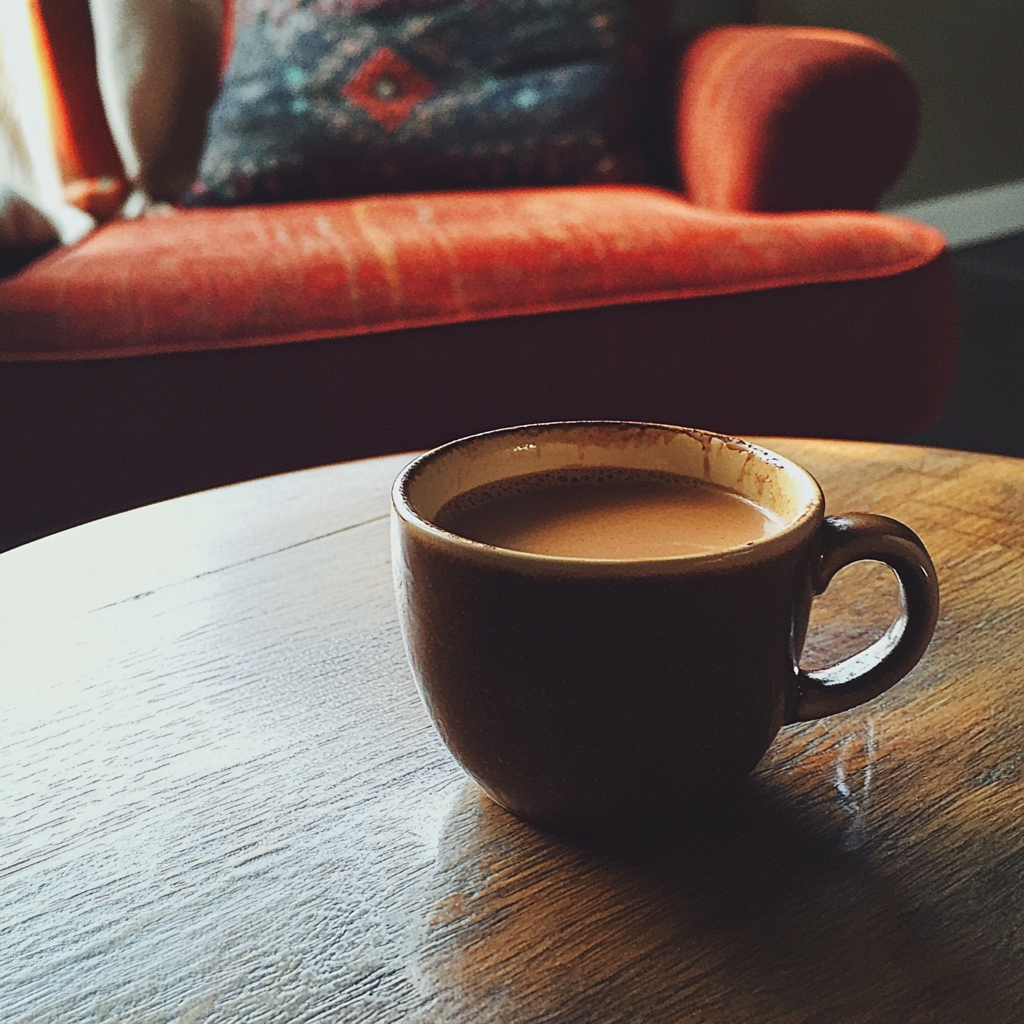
222 799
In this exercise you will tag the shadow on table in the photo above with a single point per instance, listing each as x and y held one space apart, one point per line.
751 916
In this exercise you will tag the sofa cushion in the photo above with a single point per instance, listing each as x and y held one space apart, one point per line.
204 279
340 98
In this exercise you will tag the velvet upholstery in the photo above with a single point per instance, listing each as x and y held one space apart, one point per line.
82 139
192 349
297 272
780 119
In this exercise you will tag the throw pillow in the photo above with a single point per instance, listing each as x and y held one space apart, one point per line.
329 98
158 63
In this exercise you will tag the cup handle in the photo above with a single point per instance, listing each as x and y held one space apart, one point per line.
853 538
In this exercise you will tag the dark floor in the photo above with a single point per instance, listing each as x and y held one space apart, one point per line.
986 410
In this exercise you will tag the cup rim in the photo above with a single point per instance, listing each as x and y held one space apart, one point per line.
789 537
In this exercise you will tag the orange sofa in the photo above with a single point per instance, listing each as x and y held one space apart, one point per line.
748 290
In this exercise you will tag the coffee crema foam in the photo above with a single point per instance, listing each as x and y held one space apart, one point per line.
607 513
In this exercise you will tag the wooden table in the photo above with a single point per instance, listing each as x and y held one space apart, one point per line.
223 801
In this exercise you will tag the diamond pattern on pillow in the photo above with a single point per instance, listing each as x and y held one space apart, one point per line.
387 88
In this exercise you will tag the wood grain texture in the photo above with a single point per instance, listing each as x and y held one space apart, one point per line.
222 800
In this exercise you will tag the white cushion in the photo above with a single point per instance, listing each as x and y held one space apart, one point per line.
158 64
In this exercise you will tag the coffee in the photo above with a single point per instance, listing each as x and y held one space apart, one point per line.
607 513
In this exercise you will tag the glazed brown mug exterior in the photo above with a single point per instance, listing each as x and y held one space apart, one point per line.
594 694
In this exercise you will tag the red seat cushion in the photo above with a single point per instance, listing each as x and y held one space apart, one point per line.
208 279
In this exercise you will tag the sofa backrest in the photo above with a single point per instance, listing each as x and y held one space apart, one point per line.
133 81
85 148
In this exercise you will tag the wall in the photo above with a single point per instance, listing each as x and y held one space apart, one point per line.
968 59
703 13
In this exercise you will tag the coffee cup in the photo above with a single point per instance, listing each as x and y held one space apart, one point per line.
590 688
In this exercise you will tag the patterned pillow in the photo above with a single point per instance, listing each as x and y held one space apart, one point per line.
347 97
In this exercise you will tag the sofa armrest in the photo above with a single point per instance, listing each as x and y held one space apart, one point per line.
774 119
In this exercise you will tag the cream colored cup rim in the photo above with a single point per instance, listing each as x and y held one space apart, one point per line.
791 535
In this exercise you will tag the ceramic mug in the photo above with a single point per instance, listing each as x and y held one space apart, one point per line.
594 694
